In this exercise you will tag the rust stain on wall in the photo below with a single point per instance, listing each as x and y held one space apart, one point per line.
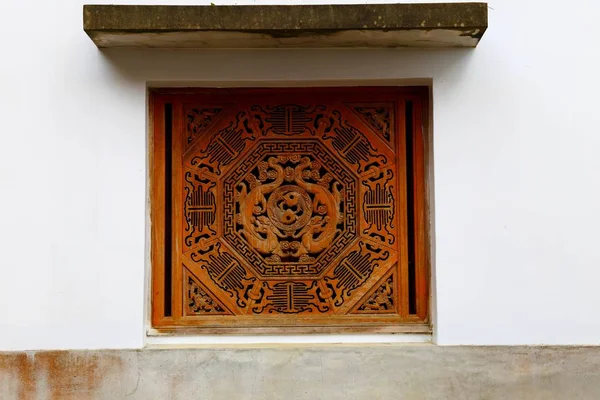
16 371
57 374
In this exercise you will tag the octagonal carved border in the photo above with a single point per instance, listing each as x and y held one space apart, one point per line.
256 206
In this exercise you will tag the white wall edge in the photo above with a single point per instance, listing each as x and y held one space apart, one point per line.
152 341
300 82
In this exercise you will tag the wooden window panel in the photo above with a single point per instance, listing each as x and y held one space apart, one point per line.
289 210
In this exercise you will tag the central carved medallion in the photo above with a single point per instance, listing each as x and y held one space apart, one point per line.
289 208
301 220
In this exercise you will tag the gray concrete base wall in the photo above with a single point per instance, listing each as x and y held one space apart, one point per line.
328 373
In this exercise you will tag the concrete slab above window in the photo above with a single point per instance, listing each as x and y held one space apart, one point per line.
360 25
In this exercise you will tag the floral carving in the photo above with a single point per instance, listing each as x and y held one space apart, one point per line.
382 300
199 119
199 301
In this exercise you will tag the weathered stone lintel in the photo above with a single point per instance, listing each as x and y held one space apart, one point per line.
364 25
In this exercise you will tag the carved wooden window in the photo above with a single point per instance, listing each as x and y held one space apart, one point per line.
289 210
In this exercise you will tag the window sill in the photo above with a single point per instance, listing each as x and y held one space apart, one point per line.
165 341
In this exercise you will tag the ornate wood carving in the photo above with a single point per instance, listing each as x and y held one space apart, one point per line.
379 117
198 299
198 120
383 300
284 209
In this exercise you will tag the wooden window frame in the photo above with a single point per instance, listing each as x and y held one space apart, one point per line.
420 322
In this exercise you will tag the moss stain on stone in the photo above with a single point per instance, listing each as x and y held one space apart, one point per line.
107 23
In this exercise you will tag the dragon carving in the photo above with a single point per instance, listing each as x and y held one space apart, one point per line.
292 222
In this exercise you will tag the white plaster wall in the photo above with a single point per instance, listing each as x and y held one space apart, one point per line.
517 194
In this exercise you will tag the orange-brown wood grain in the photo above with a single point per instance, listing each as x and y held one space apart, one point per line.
288 210
157 210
